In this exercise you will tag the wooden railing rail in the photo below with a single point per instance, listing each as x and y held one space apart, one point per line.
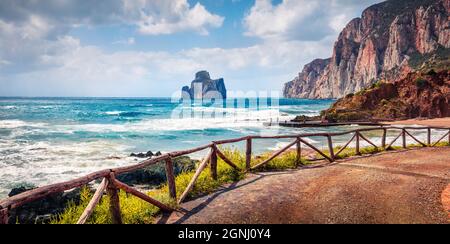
111 185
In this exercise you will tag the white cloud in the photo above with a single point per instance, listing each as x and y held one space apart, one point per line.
33 30
268 21
152 17
301 19
178 16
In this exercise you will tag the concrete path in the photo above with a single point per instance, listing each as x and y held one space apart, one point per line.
395 187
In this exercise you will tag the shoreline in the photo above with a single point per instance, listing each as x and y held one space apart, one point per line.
438 122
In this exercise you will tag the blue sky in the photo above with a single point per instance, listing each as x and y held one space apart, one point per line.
151 48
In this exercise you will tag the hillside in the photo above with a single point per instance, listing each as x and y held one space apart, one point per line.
419 94
390 40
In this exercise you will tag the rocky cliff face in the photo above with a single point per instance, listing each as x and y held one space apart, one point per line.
380 45
203 87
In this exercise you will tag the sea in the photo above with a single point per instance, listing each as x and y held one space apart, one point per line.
49 140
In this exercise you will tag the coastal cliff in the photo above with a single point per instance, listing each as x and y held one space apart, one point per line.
389 41
203 87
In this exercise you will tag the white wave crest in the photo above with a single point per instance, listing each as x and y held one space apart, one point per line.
113 112
12 124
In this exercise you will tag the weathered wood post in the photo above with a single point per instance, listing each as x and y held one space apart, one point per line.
449 137
213 162
4 216
429 136
357 143
114 202
171 178
248 154
404 138
330 147
383 139
299 151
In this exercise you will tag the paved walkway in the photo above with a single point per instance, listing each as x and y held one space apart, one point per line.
394 187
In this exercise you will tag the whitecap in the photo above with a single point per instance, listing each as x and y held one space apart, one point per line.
8 107
12 124
113 112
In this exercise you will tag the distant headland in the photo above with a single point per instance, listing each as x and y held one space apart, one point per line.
203 87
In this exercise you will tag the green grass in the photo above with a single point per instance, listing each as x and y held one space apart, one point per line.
137 211
283 162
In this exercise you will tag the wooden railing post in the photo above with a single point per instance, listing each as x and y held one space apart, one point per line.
429 137
248 154
199 170
4 216
357 144
170 175
404 138
213 162
299 151
330 147
94 201
114 202
383 139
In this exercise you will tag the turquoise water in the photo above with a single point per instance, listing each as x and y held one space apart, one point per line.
47 140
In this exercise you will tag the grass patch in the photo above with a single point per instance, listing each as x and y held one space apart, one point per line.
287 160
350 152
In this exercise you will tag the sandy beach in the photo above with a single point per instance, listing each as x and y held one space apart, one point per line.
439 122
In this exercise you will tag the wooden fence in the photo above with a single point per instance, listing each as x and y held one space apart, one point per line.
111 185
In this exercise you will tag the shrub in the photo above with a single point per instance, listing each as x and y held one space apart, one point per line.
420 82
350 95
384 102
431 72
377 84
361 92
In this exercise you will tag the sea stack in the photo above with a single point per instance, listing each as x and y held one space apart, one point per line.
203 87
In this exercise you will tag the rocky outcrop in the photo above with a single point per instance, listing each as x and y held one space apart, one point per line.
425 95
382 44
203 87
41 211
155 175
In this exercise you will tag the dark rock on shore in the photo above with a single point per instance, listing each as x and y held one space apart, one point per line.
148 154
156 174
41 211
304 118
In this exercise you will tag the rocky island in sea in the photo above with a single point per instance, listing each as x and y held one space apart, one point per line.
203 87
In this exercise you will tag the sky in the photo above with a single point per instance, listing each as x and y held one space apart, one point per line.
151 48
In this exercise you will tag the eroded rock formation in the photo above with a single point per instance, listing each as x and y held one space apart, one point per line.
203 87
